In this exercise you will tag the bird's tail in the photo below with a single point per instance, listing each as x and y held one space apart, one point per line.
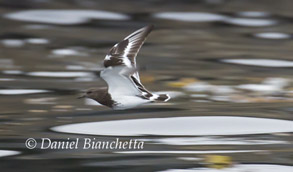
163 97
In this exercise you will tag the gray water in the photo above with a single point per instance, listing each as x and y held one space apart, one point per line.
226 64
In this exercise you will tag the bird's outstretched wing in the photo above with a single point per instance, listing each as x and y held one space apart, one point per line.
119 81
124 52
123 56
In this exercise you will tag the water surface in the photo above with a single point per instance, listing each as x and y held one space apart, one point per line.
226 64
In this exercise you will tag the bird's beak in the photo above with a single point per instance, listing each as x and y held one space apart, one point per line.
81 96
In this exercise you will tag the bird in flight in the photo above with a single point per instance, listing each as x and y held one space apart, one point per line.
125 89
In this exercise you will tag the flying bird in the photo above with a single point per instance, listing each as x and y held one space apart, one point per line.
125 89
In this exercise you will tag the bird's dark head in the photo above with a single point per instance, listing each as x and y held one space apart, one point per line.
94 93
100 95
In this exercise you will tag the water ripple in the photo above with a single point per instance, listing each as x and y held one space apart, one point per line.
64 17
21 91
59 74
260 62
190 16
251 22
185 126
4 153
272 35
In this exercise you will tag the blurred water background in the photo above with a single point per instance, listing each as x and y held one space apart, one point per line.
227 65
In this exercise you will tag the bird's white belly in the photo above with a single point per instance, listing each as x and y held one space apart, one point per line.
125 102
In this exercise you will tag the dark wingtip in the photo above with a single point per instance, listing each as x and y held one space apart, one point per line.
163 97
150 27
